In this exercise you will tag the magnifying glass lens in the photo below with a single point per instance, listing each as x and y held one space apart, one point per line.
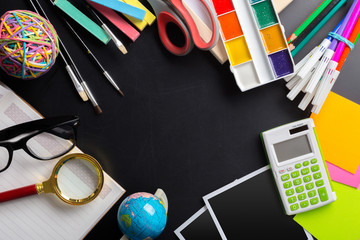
77 179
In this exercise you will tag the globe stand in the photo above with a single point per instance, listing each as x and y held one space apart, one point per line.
162 196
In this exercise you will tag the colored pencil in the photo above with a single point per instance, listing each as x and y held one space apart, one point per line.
331 74
327 76
319 52
318 27
309 20
313 24
328 54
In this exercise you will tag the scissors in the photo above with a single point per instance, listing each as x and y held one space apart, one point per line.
174 11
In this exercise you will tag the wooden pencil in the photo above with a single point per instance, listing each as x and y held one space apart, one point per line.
308 20
313 24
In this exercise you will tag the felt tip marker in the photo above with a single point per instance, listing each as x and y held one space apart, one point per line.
301 84
325 59
318 53
316 109
326 78
299 65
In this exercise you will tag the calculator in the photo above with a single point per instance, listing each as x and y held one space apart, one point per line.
298 167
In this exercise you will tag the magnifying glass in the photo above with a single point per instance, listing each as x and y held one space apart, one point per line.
76 179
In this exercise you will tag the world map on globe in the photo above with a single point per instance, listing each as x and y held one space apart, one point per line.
142 216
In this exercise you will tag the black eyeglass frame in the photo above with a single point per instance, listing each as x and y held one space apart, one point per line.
31 129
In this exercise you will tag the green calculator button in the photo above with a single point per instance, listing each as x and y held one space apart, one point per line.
297 182
315 168
298 165
305 171
302 196
294 207
314 201
295 174
289 192
299 189
313 161
287 185
319 183
292 199
309 186
317 175
323 194
307 178
285 177
306 163
312 193
304 204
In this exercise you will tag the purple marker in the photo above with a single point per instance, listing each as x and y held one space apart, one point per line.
317 54
327 76
324 61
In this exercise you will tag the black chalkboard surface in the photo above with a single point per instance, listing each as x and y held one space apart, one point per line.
198 226
250 208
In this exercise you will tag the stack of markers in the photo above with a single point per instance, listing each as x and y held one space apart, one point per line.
317 72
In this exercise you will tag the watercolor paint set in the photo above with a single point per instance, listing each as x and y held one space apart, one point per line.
254 40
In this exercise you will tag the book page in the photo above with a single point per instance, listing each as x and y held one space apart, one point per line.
43 216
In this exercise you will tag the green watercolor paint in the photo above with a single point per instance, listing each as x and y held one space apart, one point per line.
264 14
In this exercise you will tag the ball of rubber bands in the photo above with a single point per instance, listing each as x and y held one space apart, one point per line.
28 44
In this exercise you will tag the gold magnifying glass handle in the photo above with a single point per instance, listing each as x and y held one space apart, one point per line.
45 187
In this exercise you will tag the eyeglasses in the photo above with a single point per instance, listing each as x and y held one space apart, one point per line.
43 139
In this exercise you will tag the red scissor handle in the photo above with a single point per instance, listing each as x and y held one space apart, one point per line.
18 193
192 26
163 19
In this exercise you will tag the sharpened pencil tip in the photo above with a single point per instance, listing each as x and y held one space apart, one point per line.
291 47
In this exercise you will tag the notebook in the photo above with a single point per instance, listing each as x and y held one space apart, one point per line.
43 216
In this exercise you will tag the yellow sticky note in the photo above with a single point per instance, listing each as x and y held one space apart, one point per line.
149 17
338 130
337 220
139 24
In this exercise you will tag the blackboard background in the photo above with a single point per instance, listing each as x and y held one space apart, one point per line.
184 126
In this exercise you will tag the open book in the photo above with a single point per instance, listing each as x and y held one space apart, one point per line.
43 216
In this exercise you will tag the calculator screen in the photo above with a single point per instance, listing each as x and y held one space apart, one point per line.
292 148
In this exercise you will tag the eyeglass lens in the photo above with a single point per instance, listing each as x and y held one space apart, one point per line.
4 157
52 143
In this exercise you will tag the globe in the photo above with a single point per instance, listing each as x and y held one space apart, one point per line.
142 216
